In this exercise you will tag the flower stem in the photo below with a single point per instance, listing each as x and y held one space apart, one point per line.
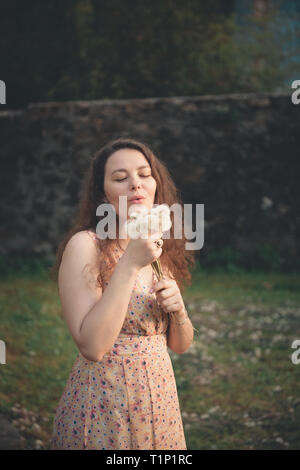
157 269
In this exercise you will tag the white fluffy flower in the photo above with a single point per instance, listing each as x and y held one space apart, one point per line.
162 212
141 224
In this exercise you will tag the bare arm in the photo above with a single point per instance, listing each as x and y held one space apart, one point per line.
103 323
180 337
95 318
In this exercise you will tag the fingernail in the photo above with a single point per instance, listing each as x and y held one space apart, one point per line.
151 290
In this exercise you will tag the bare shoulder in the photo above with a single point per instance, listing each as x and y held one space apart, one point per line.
80 255
82 241
77 281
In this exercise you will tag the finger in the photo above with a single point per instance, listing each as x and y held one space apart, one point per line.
170 308
170 303
159 285
166 293
173 308
155 236
162 284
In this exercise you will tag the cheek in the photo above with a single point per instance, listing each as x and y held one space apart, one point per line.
110 195
108 189
115 191
152 185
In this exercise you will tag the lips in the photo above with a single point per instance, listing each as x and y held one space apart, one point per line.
136 198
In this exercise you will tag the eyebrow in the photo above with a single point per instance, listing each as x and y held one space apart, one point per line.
123 169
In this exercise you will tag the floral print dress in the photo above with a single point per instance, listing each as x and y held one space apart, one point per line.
128 400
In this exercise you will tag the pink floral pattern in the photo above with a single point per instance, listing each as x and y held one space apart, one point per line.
128 400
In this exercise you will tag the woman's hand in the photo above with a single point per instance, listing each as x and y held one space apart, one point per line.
143 251
168 295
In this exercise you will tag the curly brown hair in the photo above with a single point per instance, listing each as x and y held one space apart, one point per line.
174 258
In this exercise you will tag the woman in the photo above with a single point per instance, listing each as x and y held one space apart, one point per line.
121 392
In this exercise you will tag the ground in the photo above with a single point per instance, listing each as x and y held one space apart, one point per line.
237 385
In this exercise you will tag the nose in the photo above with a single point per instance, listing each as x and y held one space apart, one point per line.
136 183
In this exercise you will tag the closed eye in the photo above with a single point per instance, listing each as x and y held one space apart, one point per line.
143 176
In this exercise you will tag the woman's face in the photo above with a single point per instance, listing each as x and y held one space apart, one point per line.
128 173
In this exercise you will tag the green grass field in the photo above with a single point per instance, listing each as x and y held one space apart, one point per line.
237 385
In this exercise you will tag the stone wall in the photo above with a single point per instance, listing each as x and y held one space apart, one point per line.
236 154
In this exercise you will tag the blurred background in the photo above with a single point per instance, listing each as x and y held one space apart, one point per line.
90 50
208 86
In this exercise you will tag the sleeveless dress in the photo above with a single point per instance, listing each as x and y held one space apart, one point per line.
128 400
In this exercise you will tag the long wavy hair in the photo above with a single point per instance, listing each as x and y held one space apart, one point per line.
174 258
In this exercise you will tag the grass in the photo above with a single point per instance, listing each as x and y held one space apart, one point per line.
237 385
240 385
